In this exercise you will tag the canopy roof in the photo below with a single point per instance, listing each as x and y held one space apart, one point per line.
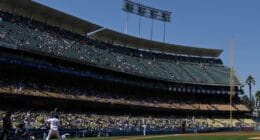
132 41
57 18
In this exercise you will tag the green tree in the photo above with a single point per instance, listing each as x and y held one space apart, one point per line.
257 95
245 101
250 81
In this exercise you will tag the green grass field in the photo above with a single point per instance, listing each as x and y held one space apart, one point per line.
209 136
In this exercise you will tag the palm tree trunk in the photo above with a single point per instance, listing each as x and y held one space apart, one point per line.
250 92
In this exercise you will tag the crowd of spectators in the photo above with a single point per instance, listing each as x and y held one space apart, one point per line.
37 36
105 122
37 120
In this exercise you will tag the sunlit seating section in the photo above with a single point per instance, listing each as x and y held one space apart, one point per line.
34 36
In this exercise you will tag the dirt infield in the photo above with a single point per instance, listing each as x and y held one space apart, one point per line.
254 138
202 136
255 135
241 133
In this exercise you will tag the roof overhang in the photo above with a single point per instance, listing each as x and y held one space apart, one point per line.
49 15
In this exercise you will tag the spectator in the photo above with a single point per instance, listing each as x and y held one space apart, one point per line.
7 127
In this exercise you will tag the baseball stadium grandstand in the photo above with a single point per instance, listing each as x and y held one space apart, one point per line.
108 83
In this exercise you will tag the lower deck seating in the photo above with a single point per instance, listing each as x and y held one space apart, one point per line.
94 121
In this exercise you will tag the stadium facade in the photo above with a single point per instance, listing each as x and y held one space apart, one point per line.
50 59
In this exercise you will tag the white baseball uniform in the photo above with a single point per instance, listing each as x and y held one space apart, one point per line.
54 128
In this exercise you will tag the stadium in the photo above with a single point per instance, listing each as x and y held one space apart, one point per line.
110 85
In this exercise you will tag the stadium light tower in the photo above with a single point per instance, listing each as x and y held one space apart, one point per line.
148 12
141 11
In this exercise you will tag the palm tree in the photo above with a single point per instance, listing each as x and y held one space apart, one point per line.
250 81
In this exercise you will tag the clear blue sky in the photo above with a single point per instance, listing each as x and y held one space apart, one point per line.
199 23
